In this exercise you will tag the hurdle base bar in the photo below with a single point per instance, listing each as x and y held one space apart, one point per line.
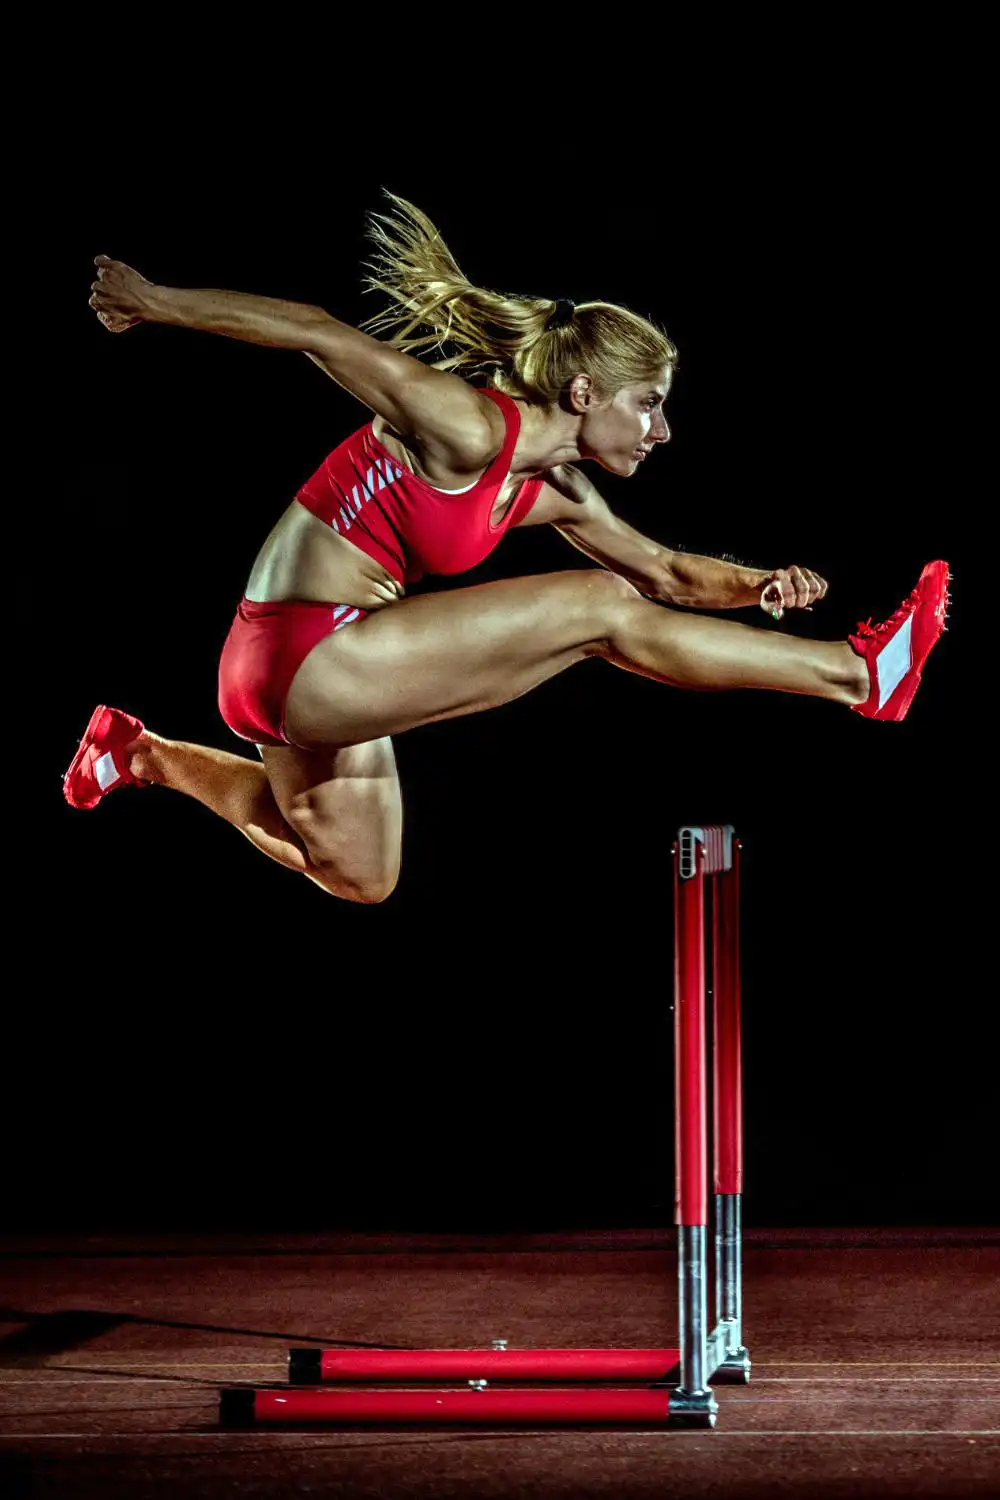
479 1406
506 1366
727 1363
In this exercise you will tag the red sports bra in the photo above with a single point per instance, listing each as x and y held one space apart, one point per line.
402 521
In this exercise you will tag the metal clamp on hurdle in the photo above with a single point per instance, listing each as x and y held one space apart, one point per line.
656 1387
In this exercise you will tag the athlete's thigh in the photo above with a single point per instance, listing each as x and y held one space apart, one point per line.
345 803
441 655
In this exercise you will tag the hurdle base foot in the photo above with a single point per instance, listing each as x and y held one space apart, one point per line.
305 1366
734 1369
236 1408
692 1409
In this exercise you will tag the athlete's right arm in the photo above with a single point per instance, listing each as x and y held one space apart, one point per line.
439 413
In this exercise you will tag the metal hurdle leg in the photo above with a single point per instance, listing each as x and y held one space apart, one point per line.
727 1354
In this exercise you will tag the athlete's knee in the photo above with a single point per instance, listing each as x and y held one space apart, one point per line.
606 598
605 590
351 833
349 886
366 872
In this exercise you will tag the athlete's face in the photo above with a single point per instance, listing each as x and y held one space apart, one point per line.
620 433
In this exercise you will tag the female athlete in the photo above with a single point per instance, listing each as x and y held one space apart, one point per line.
328 658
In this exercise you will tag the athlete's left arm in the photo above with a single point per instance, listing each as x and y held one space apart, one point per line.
572 504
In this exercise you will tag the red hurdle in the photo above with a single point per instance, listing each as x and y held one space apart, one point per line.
677 1381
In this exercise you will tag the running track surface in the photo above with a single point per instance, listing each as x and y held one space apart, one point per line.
875 1364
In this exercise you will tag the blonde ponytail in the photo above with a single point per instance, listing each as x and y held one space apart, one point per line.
434 306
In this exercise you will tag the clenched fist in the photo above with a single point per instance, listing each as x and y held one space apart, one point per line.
791 588
120 296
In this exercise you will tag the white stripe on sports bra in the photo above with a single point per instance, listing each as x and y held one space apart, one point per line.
440 491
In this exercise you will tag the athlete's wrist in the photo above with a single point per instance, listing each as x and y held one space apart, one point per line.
162 305
752 581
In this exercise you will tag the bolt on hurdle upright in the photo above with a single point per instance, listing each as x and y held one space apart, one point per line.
676 1382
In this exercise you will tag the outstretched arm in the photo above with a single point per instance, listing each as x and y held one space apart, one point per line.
570 502
438 413
123 298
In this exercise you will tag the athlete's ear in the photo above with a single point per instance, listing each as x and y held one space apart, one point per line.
581 393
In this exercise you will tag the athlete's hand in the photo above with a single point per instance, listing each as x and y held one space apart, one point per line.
120 295
791 588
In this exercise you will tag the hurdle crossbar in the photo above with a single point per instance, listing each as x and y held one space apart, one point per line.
678 1380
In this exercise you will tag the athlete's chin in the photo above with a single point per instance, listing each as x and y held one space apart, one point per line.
623 466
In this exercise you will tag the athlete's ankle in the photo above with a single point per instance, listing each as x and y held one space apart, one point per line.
145 757
855 684
843 675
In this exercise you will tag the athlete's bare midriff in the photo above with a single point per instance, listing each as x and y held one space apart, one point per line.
304 558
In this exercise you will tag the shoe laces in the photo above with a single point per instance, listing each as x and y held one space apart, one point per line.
867 629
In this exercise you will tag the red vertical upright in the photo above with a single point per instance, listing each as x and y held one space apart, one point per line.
726 1055
691 1126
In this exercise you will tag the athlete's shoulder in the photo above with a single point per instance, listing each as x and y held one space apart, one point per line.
499 412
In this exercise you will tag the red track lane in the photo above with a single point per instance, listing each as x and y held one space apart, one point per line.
377 1365
489 1407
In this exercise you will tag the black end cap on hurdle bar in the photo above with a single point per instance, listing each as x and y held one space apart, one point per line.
236 1407
305 1366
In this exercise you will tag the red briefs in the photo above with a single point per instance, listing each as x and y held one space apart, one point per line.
266 645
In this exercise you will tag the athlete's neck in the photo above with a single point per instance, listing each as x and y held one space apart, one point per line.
548 436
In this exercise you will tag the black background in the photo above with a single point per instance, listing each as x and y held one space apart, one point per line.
202 1039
